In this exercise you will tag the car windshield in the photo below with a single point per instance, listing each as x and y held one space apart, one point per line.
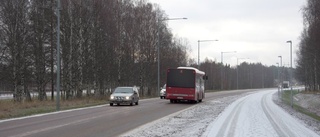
123 90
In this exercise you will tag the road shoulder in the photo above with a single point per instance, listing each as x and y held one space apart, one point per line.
309 122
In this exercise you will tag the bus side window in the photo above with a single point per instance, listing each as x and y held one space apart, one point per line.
198 79
205 77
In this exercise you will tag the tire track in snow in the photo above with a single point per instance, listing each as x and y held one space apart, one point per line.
230 123
276 122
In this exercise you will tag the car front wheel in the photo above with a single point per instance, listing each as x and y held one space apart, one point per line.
111 104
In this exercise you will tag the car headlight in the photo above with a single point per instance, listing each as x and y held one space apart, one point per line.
111 97
127 97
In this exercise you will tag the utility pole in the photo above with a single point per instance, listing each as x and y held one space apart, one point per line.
158 49
290 80
58 55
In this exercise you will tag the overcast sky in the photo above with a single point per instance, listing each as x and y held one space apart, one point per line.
256 29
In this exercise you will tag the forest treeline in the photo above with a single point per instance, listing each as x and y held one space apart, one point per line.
308 63
244 76
104 44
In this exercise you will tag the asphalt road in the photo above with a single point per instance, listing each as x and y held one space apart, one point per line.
100 121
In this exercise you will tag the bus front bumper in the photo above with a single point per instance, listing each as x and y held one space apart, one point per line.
180 96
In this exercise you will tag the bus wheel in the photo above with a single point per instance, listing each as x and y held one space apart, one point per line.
200 100
171 101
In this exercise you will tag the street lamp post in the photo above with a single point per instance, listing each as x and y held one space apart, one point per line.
58 56
278 72
290 80
238 71
280 81
280 60
158 48
199 49
222 66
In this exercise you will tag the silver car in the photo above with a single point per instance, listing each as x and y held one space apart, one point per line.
125 95
163 92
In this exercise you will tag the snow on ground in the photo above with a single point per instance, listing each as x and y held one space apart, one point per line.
309 101
306 120
190 122
242 115
6 96
257 115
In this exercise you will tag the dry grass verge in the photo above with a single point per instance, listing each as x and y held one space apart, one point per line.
286 97
11 109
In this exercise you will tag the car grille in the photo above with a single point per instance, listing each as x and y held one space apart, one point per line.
119 98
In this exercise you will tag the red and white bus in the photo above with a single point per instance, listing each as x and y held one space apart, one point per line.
185 83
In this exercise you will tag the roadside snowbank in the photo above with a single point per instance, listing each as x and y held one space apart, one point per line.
309 101
303 101
190 122
195 121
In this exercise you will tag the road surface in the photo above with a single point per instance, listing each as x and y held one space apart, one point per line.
98 121
247 115
257 115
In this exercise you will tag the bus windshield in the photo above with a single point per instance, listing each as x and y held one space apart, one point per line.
183 78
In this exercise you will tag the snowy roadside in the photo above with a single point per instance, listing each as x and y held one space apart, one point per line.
194 121
190 122
306 120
